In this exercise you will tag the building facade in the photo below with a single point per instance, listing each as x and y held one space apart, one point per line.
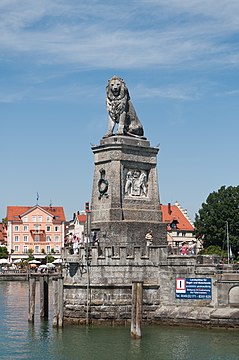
38 229
180 228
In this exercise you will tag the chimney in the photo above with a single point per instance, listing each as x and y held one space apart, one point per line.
169 209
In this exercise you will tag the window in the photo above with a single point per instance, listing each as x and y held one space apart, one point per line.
25 238
25 219
48 249
25 249
37 238
37 249
40 218
57 249
16 228
25 228
48 238
16 238
16 248
173 225
56 228
48 228
37 227
48 218
57 238
34 218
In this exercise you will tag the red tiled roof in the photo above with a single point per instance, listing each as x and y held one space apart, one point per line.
172 212
81 218
1 231
15 212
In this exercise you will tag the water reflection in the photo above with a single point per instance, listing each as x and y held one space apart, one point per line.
22 340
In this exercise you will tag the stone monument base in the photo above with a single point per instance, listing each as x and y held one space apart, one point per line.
129 233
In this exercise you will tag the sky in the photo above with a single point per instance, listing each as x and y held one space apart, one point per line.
180 61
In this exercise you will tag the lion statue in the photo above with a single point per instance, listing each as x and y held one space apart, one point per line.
121 110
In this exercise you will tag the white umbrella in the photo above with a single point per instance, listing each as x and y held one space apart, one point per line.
4 261
50 265
34 262
57 261
43 266
17 261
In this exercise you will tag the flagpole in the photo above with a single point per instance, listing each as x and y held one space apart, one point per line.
228 246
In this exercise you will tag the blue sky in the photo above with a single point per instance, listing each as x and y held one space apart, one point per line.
179 60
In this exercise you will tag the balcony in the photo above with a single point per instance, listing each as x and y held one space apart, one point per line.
37 232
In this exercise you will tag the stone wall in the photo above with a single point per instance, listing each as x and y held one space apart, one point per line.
110 283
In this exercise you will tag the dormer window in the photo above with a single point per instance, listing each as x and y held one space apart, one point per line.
173 224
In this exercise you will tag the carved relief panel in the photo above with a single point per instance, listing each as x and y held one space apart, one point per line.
136 183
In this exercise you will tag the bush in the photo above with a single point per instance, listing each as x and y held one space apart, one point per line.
214 250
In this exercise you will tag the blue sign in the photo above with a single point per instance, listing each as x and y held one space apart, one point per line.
193 288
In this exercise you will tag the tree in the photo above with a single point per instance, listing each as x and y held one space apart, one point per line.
49 259
3 252
220 208
30 255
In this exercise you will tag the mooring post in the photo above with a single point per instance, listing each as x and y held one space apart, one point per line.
60 301
32 293
44 296
57 302
137 306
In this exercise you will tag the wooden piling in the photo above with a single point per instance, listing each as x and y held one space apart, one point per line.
32 293
60 302
44 296
137 307
57 302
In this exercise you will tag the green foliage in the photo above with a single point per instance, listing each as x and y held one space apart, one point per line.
214 250
30 255
3 252
210 222
49 258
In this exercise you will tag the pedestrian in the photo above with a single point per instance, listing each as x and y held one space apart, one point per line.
184 249
149 238
193 248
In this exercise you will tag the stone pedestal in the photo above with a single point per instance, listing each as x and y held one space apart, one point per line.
125 199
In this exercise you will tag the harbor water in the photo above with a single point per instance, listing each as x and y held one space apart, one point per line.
21 340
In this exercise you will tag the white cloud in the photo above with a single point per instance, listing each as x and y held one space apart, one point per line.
105 34
168 92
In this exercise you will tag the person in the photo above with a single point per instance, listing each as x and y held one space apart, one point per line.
193 248
149 238
75 246
184 249
95 239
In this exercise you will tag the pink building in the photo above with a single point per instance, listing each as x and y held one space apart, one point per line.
37 228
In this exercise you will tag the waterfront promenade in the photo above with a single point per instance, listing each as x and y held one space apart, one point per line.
24 276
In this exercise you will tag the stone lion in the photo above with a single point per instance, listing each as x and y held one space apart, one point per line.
121 110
